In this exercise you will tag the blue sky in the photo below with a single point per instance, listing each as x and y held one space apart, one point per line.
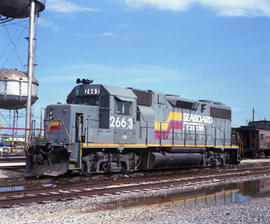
199 49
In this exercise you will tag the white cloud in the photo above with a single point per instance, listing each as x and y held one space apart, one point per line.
107 34
64 6
125 25
123 36
47 24
83 35
175 5
57 78
221 7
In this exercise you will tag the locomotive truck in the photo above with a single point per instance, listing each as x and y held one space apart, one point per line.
104 129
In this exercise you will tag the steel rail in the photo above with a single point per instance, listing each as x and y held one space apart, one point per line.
75 191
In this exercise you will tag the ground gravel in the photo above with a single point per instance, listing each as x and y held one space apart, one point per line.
96 210
102 209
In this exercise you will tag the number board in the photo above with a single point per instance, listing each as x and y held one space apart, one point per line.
121 122
92 91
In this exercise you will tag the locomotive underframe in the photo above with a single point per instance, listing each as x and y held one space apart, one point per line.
129 160
55 160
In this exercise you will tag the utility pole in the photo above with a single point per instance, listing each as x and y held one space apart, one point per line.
31 40
253 114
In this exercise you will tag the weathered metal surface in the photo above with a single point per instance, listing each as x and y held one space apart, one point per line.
255 138
13 89
19 8
263 124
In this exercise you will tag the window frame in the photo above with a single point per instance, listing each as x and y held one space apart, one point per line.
122 107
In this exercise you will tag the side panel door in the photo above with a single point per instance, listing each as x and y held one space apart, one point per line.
122 121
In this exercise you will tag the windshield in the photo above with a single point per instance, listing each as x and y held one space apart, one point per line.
89 100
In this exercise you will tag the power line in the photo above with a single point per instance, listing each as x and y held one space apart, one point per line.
13 43
9 23
6 20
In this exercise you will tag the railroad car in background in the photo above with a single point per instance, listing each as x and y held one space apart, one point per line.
254 139
111 129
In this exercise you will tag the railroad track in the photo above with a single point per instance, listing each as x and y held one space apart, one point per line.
54 192
12 161
12 158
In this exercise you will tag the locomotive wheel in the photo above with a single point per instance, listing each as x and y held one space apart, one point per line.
106 167
85 169
124 169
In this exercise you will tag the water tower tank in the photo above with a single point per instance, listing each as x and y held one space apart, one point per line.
13 89
19 8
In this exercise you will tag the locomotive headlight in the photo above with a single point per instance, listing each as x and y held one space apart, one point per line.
51 115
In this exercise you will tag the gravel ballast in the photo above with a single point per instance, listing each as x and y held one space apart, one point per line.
102 209
92 210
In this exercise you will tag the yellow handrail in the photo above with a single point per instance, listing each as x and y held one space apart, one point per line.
69 143
241 145
80 135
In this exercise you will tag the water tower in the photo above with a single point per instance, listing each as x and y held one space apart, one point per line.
20 8
14 89
18 89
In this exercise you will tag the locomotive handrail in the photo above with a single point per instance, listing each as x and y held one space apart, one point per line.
241 144
185 135
69 138
80 136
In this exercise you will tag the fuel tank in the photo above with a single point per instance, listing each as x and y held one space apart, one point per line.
155 160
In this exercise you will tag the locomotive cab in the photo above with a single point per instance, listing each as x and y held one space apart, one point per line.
93 114
116 111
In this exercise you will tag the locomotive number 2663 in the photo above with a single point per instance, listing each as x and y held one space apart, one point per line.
121 122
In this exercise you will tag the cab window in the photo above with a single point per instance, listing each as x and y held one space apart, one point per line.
89 100
122 107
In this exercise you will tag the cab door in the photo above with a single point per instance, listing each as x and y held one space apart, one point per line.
122 120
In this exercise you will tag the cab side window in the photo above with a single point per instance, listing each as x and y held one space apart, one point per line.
122 107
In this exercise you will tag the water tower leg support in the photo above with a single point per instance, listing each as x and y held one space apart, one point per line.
30 72
14 124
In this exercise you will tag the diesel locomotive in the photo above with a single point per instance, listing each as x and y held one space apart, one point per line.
104 129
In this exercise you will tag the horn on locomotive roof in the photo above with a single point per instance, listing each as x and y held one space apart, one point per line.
84 81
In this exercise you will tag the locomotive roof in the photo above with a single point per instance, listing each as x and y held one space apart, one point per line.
120 92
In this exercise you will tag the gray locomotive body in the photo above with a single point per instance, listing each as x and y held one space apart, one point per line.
109 129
